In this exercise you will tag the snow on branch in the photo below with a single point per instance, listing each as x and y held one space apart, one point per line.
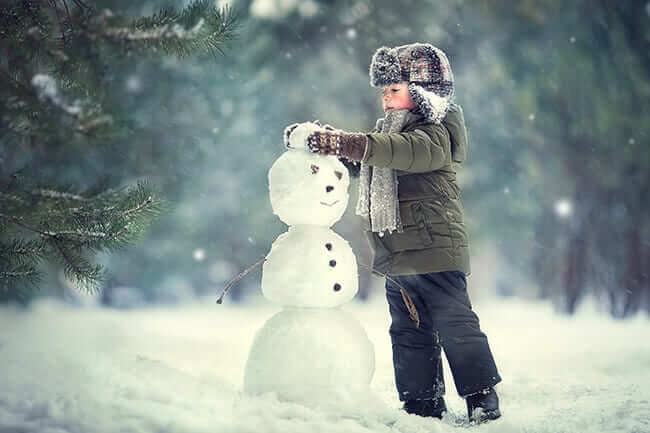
200 27
163 32
48 91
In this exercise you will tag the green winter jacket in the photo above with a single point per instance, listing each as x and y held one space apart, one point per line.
424 155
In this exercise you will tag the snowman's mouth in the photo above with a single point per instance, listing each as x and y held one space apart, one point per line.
329 204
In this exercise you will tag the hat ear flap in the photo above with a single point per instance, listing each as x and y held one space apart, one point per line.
384 68
431 105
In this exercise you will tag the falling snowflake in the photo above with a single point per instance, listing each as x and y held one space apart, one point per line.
572 39
199 254
351 33
506 190
631 140
563 208
531 116
133 83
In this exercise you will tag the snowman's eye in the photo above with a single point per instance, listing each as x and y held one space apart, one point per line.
314 169
338 174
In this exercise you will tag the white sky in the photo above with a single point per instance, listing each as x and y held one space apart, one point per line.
181 369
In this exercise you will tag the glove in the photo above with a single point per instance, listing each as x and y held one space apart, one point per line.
354 168
351 146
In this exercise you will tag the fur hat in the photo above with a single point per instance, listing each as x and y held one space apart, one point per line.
425 68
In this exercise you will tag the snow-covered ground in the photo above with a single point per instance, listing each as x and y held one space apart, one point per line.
67 369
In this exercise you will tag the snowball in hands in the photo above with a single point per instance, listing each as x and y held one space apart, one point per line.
298 137
311 351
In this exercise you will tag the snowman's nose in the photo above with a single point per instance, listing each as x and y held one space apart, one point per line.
329 188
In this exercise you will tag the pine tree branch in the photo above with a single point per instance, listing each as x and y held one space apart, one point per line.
69 244
21 251
91 221
21 274
56 51
18 221
16 275
50 193
199 28
18 265
78 269
38 114
130 212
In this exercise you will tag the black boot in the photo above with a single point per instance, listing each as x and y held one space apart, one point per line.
434 407
483 406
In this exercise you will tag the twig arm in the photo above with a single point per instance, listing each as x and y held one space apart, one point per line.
239 277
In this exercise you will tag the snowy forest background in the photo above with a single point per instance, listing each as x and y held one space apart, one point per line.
557 102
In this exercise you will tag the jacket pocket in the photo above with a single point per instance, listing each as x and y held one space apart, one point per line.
432 215
421 230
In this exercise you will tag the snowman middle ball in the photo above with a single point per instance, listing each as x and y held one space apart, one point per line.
310 266
308 188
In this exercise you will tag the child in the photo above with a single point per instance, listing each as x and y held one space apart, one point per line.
409 197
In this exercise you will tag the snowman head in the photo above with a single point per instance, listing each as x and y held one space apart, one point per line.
308 188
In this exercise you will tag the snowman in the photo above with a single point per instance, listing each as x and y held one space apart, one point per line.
310 352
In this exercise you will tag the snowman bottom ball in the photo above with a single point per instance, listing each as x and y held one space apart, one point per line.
311 356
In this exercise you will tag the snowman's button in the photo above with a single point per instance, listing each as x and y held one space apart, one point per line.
337 287
332 263
328 246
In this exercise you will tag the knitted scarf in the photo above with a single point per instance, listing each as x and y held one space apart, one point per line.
378 185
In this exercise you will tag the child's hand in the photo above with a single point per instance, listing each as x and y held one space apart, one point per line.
339 143
324 142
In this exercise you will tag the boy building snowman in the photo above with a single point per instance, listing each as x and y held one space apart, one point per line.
410 200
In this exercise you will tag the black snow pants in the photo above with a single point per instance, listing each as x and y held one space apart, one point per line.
447 320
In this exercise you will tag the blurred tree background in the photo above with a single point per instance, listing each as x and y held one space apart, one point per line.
557 102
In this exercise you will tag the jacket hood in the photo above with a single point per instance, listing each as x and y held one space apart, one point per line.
454 121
